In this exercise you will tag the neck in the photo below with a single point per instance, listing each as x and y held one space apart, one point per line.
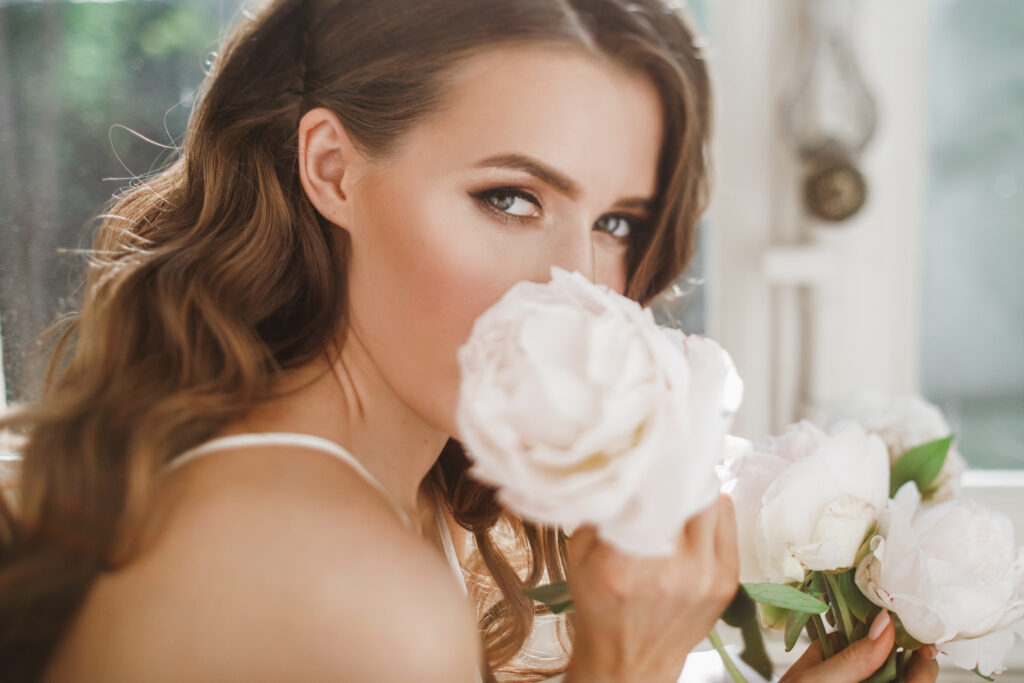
350 404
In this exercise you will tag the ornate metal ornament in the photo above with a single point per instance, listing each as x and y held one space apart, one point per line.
829 115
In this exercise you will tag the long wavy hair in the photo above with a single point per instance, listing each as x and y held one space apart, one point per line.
189 314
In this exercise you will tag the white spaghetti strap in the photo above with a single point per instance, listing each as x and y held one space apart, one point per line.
319 443
288 439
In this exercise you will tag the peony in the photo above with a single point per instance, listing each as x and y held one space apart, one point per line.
579 408
903 422
805 500
952 574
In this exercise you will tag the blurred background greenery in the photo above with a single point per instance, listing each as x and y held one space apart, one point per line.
76 79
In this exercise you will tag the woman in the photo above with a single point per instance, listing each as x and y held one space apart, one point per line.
358 182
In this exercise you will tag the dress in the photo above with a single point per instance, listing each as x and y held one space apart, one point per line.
318 443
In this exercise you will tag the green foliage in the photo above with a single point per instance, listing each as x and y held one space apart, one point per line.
787 597
794 625
742 614
861 608
920 465
550 594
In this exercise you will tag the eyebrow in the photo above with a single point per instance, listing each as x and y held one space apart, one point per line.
554 177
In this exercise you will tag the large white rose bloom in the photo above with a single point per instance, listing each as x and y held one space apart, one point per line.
953 575
903 422
805 500
579 408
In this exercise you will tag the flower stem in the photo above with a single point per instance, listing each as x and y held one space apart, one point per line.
716 641
844 621
822 634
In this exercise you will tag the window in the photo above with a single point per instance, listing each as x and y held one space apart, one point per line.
922 290
76 79
972 346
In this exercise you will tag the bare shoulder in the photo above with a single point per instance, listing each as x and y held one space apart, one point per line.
288 566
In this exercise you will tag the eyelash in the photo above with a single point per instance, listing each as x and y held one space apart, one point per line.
636 224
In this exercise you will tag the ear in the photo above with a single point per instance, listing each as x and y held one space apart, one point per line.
328 164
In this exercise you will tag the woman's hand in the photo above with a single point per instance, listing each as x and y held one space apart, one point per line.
637 618
861 659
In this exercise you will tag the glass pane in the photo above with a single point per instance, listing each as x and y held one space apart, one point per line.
75 80
973 326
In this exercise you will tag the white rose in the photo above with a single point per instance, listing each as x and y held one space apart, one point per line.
805 500
952 574
579 408
903 422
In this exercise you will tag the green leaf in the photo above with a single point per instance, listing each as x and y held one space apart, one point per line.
861 607
794 625
788 597
560 607
740 611
840 609
987 678
550 594
920 465
742 614
754 652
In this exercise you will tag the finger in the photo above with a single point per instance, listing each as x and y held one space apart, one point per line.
810 657
858 660
922 669
698 535
726 546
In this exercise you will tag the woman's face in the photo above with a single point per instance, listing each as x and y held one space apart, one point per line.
542 156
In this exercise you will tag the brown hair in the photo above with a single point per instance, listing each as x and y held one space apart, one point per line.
189 313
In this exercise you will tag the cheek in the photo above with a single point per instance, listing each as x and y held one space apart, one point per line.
422 271
610 269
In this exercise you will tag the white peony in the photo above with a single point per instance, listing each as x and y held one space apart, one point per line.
805 500
903 422
952 574
579 408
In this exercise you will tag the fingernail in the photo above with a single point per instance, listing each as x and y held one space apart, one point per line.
879 624
930 651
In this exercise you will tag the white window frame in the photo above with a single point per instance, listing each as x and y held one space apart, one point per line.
811 312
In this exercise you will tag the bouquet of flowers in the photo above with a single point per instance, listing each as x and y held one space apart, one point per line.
865 516
579 408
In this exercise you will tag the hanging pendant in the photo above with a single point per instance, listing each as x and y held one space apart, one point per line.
834 188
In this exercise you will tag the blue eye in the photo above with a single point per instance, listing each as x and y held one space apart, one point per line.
508 204
501 199
625 221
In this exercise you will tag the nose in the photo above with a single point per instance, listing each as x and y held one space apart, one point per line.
575 251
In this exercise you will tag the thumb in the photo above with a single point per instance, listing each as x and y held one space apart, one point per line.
861 658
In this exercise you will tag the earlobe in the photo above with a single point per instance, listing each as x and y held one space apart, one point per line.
326 156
